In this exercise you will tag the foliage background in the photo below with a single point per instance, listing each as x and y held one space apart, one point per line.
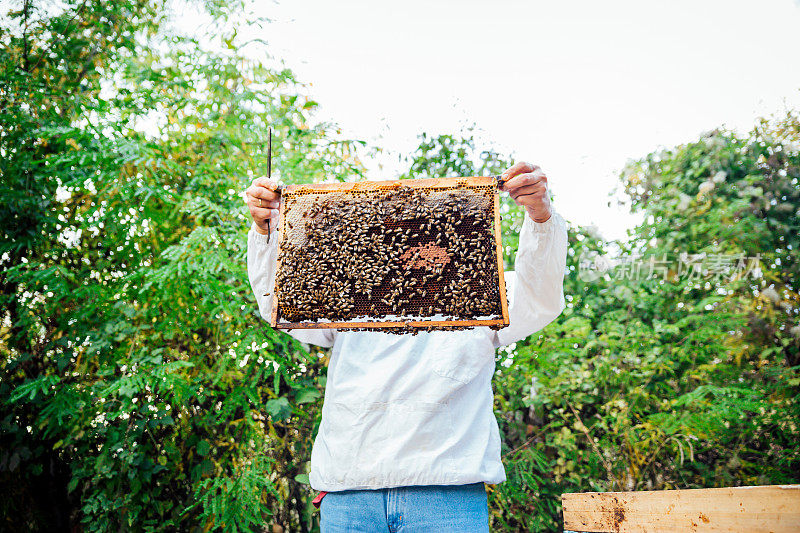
141 391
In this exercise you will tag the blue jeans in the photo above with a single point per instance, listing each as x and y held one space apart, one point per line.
436 508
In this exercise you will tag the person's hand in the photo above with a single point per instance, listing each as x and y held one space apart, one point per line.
263 201
527 185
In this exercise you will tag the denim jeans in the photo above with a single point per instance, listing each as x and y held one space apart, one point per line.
436 508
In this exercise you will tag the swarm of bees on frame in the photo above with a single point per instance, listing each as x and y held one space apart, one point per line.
395 254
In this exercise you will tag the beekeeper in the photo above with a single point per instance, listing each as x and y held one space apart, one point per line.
408 436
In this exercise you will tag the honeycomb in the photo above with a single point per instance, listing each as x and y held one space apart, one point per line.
399 256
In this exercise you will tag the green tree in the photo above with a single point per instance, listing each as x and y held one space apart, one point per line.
140 389
680 380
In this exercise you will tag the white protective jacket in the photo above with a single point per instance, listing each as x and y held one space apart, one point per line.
417 409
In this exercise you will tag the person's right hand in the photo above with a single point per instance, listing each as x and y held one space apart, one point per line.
263 201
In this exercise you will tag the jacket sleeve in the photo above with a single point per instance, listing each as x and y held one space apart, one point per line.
536 286
262 262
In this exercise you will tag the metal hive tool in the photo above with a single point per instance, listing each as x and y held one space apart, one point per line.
397 256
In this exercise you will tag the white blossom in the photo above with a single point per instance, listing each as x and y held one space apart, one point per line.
719 177
791 146
684 202
706 187
772 294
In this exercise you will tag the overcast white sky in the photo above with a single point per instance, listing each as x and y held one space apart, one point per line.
577 87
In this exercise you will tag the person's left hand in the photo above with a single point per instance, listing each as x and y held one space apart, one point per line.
527 185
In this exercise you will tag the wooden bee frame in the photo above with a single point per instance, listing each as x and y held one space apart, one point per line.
481 197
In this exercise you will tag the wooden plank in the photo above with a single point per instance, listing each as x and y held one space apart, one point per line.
774 509
281 232
367 185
